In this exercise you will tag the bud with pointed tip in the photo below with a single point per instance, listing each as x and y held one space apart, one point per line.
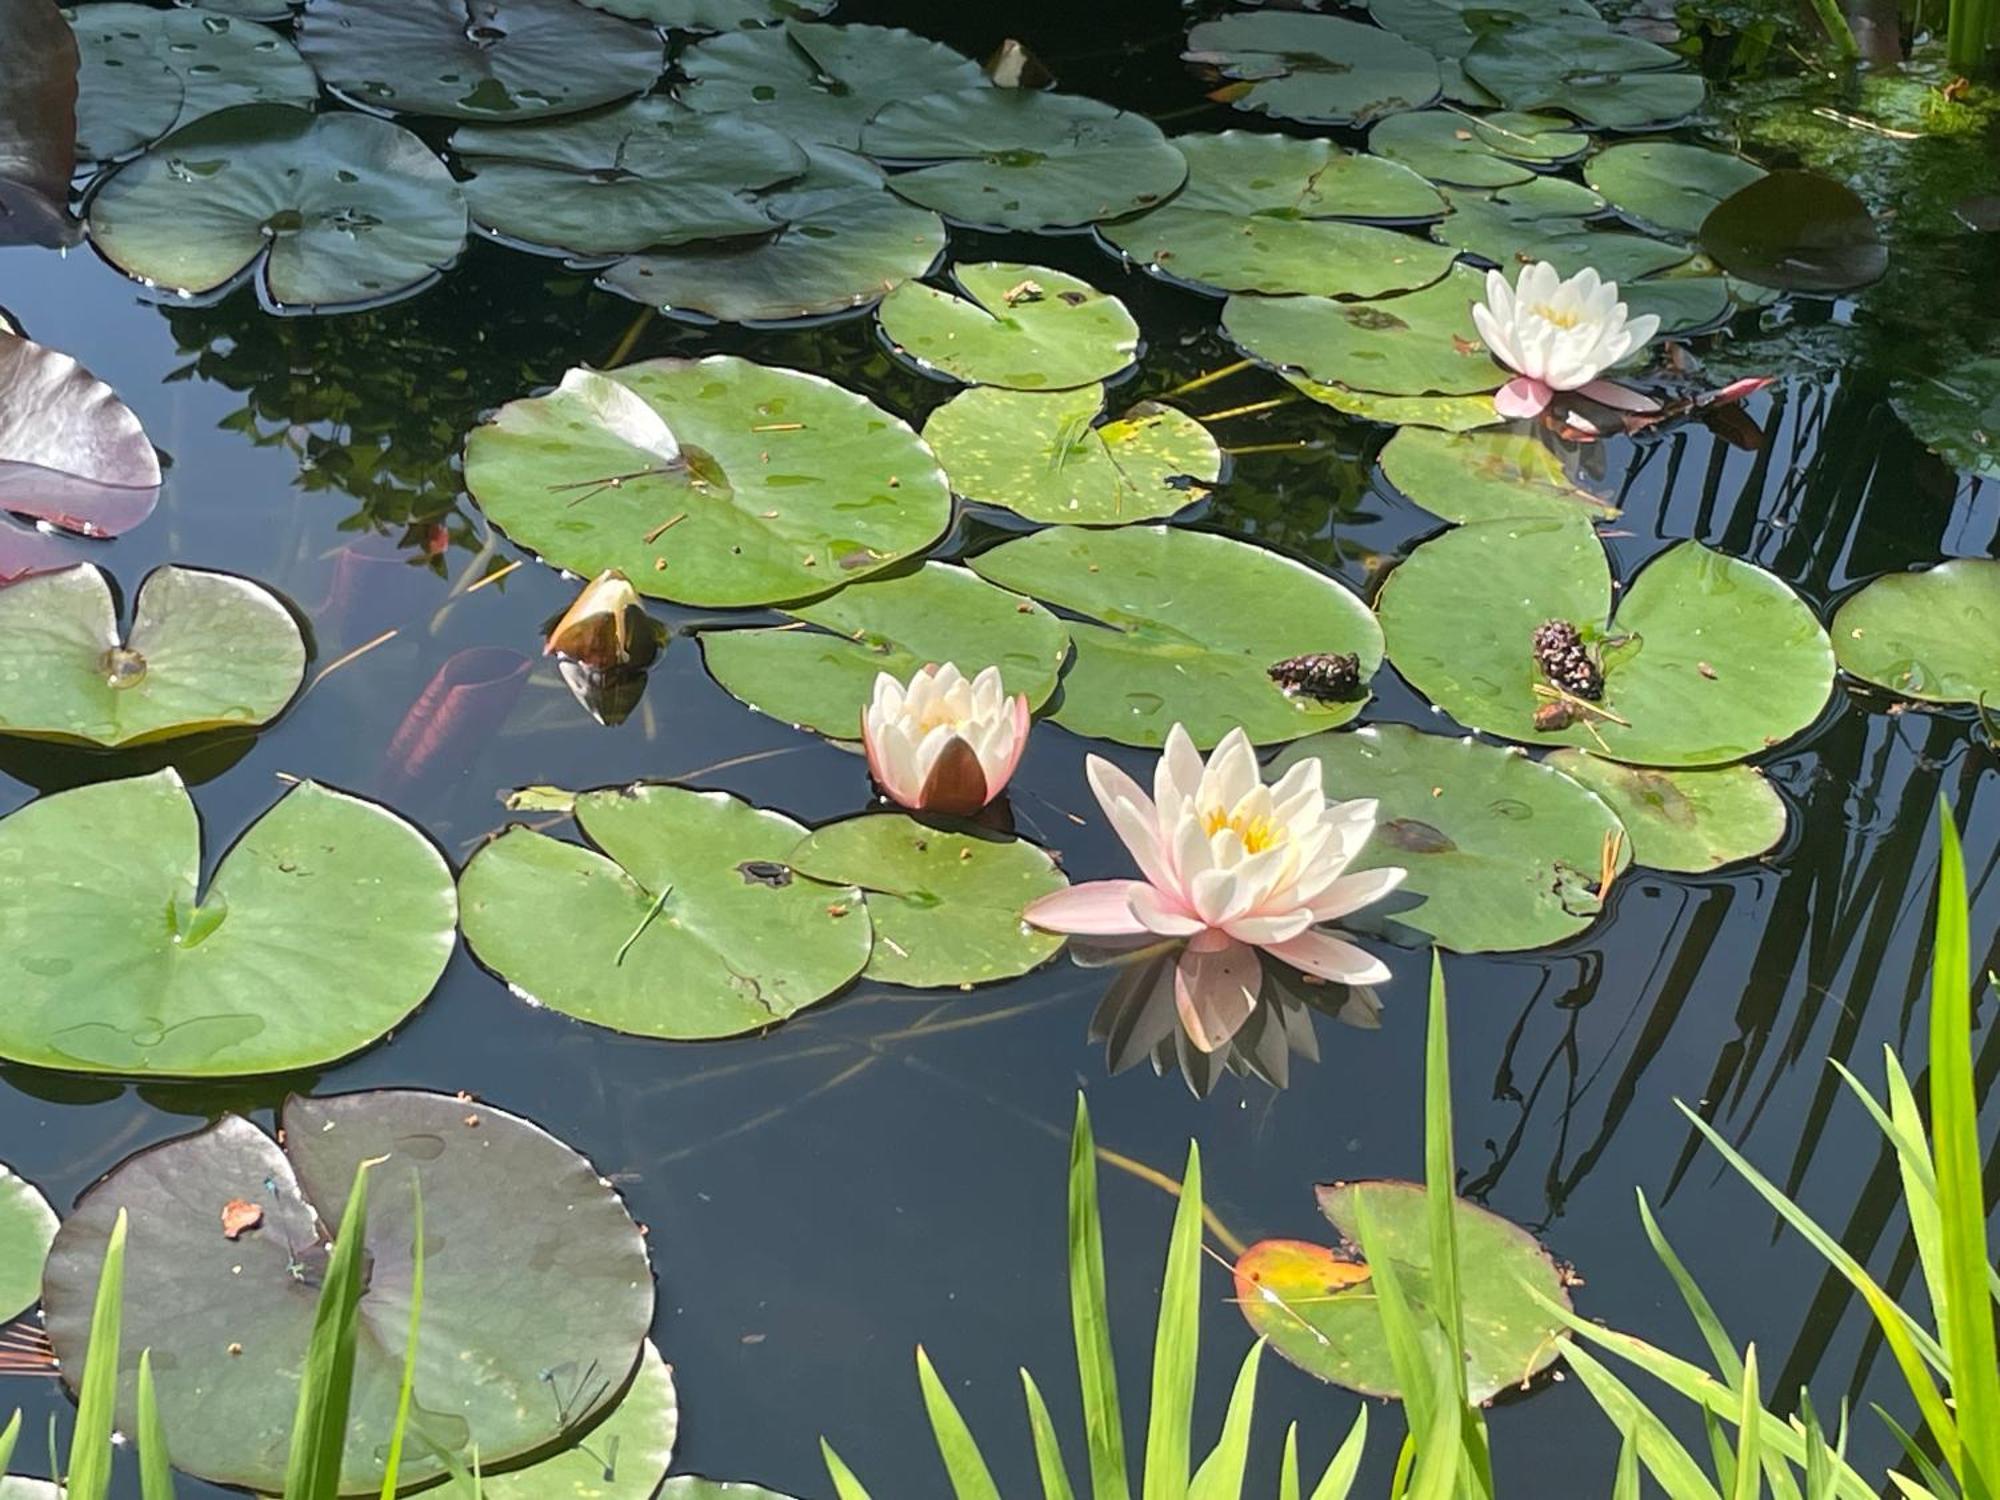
606 627
944 744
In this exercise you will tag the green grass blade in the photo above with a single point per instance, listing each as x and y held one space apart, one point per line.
392 1467
1819 1458
1176 1347
1673 1468
1409 1353
1288 1466
1720 1347
156 1468
97 1393
319 1421
1338 1479
1626 1485
1441 1182
1723 1456
1934 1480
845 1485
1090 1320
1749 1433
9 1436
963 1462
1048 1450
1220 1476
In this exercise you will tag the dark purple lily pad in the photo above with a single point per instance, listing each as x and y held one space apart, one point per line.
71 453
37 124
1797 231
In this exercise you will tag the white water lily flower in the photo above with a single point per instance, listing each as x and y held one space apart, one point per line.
1559 335
944 744
1233 866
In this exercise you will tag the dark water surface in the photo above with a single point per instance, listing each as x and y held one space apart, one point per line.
889 1167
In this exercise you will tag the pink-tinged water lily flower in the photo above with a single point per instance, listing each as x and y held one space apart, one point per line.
944 744
1558 335
1233 866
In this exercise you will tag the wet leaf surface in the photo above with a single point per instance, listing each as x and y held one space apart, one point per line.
1604 78
1319 69
1933 635
1686 821
624 1457
1485 476
1496 150
1667 185
1024 327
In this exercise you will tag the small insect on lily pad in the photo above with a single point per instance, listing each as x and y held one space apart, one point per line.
1667 186
687 925
1497 150
1604 78
1686 821
1320 69
945 901
1932 635
1024 327
1319 1311
624 1457
1486 476
206 651
27 1228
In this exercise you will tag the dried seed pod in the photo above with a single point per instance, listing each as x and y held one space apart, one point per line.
1328 676
1554 715
1560 653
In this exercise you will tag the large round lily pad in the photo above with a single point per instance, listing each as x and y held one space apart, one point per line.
1604 78
206 651
324 925
1497 150
1507 854
786 485
1709 659
333 208
713 15
624 1457
688 925
945 902
478 59
1797 231
837 240
1487 476
1667 185
1515 235
1023 159
1319 1311
27 1228
1449 28
1446 413
1319 69
1054 456
537 1293
1183 627
1687 821
1933 635
71 453
1024 327
822 678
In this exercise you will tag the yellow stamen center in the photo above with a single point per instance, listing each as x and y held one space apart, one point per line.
1560 319
1258 834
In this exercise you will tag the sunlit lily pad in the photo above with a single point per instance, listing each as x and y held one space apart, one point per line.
1024 327
1604 78
1685 305
1797 231
1496 150
330 209
27 1228
1686 821
1709 659
1320 69
37 126
478 59
513 1219
688 925
71 453
1667 185
624 1457
1507 854
789 485
1447 413
713 15
945 902
1023 159
1319 1311
1055 456
1449 28
823 677
1183 627
1486 476
125 961
1933 635
1512 236
206 651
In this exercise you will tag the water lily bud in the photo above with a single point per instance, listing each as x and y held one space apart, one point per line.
606 627
945 743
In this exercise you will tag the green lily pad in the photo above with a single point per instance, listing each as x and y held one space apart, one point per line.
1319 69
123 102
1709 659
1667 185
1052 456
1933 635
624 1457
1956 415
1545 197
1506 853
1023 159
1798 232
206 651
823 678
1685 305
647 173
679 929
819 83
839 241
945 902
1604 78
27 1228
1319 1311
124 963
713 15
478 59
1498 150
1685 821
1449 28
1183 627
1487 476
1447 413
1420 344
789 485
1511 237
1025 327
330 209
513 1219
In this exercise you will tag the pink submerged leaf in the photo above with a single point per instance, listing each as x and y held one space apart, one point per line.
460 709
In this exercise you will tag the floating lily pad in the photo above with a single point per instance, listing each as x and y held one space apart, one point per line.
1507 854
678 929
644 174
945 902
331 209
324 925
1053 456
1603 77
206 651
1447 413
1667 185
1024 327
1486 476
1449 28
1468 151
37 126
713 15
1709 659
1319 69
1685 305
1024 159
1183 627
212 61
1956 415
1797 231
624 1457
1933 635
819 83
1419 344
71 453
788 484
27 1228
1512 236
513 1219
478 59
1318 1310
839 240
823 678
1687 821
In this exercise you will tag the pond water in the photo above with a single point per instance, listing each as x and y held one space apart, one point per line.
887 1167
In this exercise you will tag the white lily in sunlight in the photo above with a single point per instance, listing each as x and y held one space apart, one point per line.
1558 335
1233 866
944 743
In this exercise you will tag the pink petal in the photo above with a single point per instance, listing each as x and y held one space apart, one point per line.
1215 991
1523 396
1023 721
1097 908
1263 931
1352 892
1330 957
1132 817
957 783
1618 397
1162 912
1736 390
